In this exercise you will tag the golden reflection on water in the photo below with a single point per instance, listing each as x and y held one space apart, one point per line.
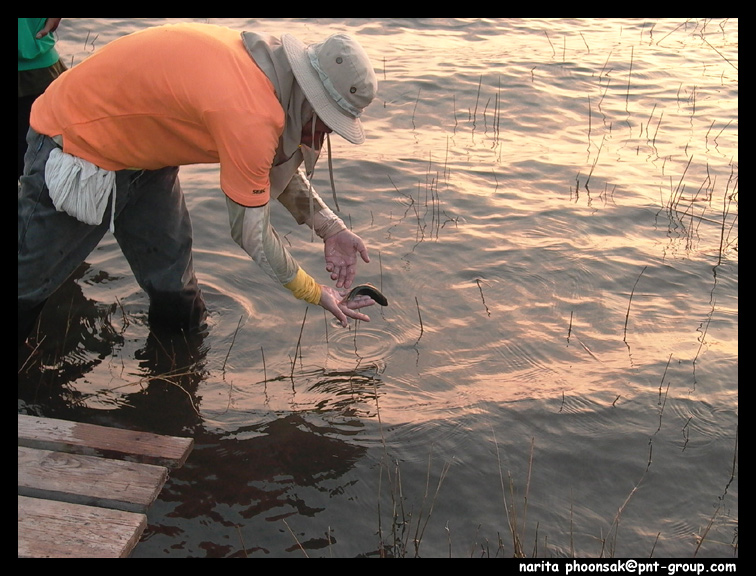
552 207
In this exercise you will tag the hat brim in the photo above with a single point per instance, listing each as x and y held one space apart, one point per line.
336 118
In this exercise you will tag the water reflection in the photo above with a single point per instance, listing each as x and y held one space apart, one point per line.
552 207
81 336
262 471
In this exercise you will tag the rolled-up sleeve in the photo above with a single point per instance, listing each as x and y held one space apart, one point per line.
251 229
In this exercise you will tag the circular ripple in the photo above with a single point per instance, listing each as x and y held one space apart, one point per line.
370 343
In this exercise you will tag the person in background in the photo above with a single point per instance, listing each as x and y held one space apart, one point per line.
108 136
38 65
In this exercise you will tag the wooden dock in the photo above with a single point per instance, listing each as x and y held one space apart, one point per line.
83 489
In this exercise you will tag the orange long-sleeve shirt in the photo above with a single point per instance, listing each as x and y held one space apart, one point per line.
170 96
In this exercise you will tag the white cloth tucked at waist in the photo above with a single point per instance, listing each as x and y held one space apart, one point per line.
79 188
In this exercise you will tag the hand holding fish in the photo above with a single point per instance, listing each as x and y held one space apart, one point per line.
341 256
342 307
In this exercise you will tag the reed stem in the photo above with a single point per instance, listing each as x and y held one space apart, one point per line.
421 320
627 316
233 339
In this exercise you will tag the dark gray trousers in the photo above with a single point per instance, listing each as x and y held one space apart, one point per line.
152 227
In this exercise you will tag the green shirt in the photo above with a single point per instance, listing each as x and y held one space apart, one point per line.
34 53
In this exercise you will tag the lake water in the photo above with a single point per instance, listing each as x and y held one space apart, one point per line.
551 208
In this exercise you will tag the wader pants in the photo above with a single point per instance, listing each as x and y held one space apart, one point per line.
152 227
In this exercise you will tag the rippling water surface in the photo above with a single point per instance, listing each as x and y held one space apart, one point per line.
551 208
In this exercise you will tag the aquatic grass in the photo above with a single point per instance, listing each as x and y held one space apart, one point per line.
298 349
407 527
233 339
733 472
553 51
629 303
420 318
629 76
516 530
729 198
681 209
299 544
477 99
482 297
414 110
401 520
614 526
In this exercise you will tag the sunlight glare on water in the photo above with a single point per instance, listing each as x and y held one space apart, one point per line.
551 208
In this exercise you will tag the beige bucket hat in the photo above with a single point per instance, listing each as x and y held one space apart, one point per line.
338 80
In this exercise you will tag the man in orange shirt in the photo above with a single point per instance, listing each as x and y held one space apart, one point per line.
107 138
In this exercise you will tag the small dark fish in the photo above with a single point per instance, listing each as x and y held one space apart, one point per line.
369 290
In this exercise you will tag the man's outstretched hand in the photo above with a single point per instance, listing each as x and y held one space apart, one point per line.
341 256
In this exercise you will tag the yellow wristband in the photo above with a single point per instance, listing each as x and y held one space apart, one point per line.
304 287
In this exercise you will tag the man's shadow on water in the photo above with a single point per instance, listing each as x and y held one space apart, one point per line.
228 474
71 337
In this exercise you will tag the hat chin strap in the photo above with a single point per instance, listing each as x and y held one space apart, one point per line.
330 172
310 156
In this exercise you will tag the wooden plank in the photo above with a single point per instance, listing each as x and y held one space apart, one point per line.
90 480
49 529
76 437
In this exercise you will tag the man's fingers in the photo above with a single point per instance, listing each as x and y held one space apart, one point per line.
343 276
360 302
358 316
